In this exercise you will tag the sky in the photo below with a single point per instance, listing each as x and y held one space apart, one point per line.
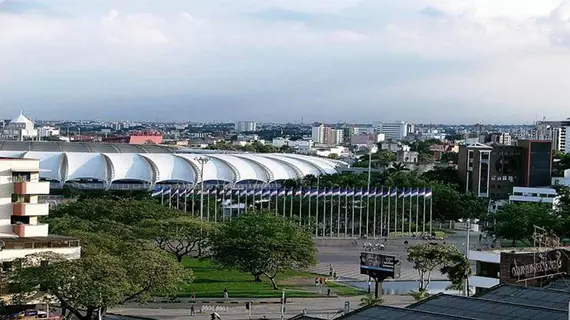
439 61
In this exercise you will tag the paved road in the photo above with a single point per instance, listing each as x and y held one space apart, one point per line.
345 256
318 307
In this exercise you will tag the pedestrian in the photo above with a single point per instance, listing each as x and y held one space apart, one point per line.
193 294
192 310
225 293
316 281
326 280
321 281
304 311
480 237
334 275
331 269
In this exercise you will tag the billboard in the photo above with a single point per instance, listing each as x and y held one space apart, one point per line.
379 265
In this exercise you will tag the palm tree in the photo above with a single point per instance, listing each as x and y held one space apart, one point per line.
370 300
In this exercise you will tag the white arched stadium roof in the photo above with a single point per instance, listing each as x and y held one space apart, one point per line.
214 169
170 167
277 170
84 165
306 168
50 162
130 166
246 170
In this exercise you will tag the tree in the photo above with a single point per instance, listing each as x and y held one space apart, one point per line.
99 281
370 300
427 257
458 270
179 236
263 243
516 221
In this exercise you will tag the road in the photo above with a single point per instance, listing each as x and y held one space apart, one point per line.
345 256
318 307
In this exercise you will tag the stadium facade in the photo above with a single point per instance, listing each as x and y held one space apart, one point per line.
120 166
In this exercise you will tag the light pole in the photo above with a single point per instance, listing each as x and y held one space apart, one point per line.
370 149
202 161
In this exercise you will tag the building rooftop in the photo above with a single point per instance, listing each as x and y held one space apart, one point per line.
532 296
481 308
92 147
385 312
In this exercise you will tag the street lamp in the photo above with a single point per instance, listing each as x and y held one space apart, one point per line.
202 161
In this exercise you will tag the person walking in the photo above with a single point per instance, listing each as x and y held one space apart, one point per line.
192 310
225 293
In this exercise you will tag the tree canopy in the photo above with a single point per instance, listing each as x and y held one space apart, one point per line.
427 257
262 243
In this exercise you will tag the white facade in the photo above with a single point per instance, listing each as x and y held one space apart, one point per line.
543 195
297 144
318 134
246 126
21 233
50 131
492 257
395 130
20 128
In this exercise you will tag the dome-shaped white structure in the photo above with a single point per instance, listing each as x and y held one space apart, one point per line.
19 128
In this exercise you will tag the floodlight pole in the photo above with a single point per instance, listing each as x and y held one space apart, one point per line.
202 161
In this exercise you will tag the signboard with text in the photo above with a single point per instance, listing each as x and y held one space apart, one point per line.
517 267
379 265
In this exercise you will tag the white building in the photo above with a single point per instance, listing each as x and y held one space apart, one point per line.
21 233
318 134
246 126
525 194
20 128
395 130
51 131
297 144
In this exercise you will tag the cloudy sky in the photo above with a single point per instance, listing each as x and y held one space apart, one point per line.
498 61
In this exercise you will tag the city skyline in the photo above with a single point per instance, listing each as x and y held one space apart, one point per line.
439 61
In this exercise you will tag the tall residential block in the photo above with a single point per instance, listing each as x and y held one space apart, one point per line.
246 126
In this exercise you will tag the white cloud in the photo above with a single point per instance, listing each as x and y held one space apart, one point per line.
349 56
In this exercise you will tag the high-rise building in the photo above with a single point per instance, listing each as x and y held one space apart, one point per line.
493 170
337 136
396 130
246 126
21 233
318 133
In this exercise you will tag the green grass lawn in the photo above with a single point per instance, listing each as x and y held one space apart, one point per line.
210 282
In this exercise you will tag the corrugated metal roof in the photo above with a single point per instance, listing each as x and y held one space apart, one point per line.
531 296
478 308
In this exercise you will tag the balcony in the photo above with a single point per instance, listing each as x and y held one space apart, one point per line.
27 187
29 230
30 209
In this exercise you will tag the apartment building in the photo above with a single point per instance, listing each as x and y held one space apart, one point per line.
396 130
246 126
21 232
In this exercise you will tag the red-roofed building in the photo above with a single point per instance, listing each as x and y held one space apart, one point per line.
138 137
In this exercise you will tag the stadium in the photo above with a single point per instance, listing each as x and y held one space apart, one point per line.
125 166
